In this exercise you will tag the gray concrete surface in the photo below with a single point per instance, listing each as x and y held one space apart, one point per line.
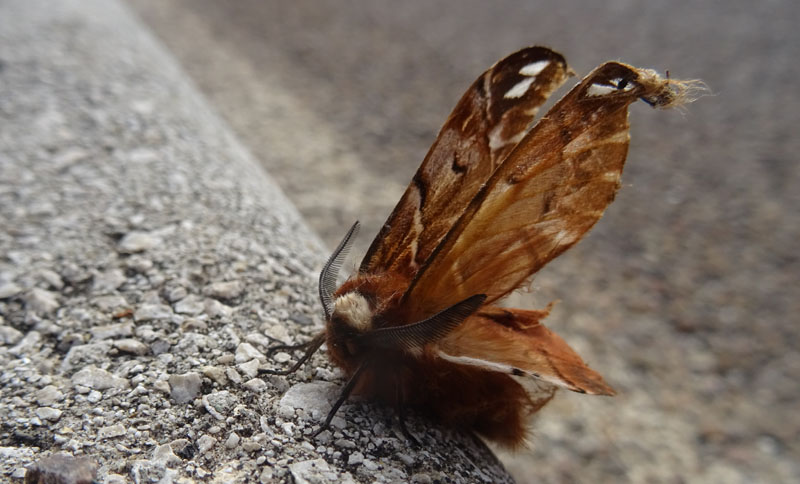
146 262
685 296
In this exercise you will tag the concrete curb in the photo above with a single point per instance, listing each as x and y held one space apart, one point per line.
145 264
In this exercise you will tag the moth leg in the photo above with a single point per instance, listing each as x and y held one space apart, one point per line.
346 391
312 346
283 347
400 408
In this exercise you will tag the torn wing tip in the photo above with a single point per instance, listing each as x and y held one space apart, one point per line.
664 93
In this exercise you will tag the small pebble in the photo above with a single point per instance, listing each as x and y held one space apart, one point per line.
152 312
48 395
232 440
108 331
185 388
255 385
216 309
52 279
355 458
9 335
137 242
215 373
205 443
220 404
132 346
48 413
246 352
224 290
191 305
9 290
108 281
41 301
111 431
61 468
250 368
98 379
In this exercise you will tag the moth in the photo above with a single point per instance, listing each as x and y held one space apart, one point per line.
494 200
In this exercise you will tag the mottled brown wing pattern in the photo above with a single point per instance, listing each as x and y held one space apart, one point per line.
545 196
489 120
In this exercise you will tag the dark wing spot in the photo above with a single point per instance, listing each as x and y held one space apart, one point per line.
422 188
566 135
456 165
549 198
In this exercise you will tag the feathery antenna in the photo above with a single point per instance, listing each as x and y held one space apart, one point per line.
327 278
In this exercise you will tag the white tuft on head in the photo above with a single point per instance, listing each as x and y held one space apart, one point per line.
354 310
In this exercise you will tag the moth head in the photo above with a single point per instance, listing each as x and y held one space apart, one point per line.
352 317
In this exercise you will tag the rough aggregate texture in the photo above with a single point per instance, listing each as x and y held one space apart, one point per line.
686 294
145 265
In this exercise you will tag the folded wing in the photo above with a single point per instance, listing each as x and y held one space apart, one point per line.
486 124
544 197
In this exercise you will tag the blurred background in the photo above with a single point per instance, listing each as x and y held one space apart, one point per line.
685 296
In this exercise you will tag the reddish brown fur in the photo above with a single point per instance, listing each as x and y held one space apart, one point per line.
381 289
492 404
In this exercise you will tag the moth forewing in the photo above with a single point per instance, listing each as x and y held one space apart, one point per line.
489 120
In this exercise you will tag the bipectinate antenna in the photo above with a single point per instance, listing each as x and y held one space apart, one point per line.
430 330
327 278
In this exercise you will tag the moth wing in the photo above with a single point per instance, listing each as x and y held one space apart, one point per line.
514 341
486 124
544 197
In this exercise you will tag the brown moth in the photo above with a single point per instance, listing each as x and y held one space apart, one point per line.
494 200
